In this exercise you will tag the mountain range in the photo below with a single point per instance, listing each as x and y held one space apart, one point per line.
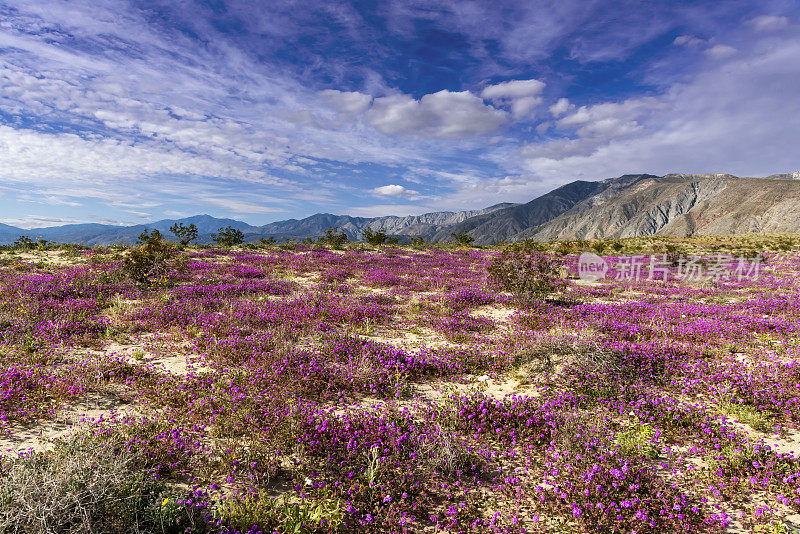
632 205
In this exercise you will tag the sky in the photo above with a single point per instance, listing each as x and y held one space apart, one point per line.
127 112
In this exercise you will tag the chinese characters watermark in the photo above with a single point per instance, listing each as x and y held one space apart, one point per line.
664 267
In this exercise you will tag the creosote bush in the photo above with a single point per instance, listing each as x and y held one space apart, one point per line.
148 263
374 237
333 237
530 276
185 234
228 237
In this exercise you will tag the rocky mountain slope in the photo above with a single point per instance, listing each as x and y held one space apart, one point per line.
679 205
504 225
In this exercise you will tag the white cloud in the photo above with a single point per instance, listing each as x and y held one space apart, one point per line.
724 118
390 190
721 51
690 41
242 206
560 107
351 102
513 89
609 120
521 95
443 114
768 23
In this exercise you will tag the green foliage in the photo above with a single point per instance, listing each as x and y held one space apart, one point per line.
374 238
278 514
638 441
185 234
462 239
419 242
23 242
333 237
149 262
748 415
530 276
228 237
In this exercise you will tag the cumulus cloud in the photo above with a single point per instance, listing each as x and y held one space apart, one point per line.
445 114
521 95
391 190
560 107
609 119
394 190
351 102
513 89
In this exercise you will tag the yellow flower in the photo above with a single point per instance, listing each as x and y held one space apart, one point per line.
165 501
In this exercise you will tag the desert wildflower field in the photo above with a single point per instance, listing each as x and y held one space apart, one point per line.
310 388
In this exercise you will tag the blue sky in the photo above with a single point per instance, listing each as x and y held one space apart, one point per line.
127 112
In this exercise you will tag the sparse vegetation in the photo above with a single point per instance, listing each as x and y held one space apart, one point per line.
291 388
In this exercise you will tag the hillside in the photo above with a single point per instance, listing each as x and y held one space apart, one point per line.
680 205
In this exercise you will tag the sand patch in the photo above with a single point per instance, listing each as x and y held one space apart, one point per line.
92 409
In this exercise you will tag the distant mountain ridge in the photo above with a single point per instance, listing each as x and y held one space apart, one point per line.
627 206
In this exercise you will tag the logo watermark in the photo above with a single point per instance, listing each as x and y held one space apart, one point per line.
691 268
592 267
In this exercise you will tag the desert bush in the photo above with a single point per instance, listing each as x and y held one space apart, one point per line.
228 237
462 238
638 441
529 276
419 242
374 238
24 242
81 488
150 261
333 237
185 234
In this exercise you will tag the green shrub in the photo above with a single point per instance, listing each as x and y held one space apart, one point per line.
529 276
374 238
462 239
228 237
149 262
419 243
333 237
748 415
24 242
185 234
637 441
241 513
